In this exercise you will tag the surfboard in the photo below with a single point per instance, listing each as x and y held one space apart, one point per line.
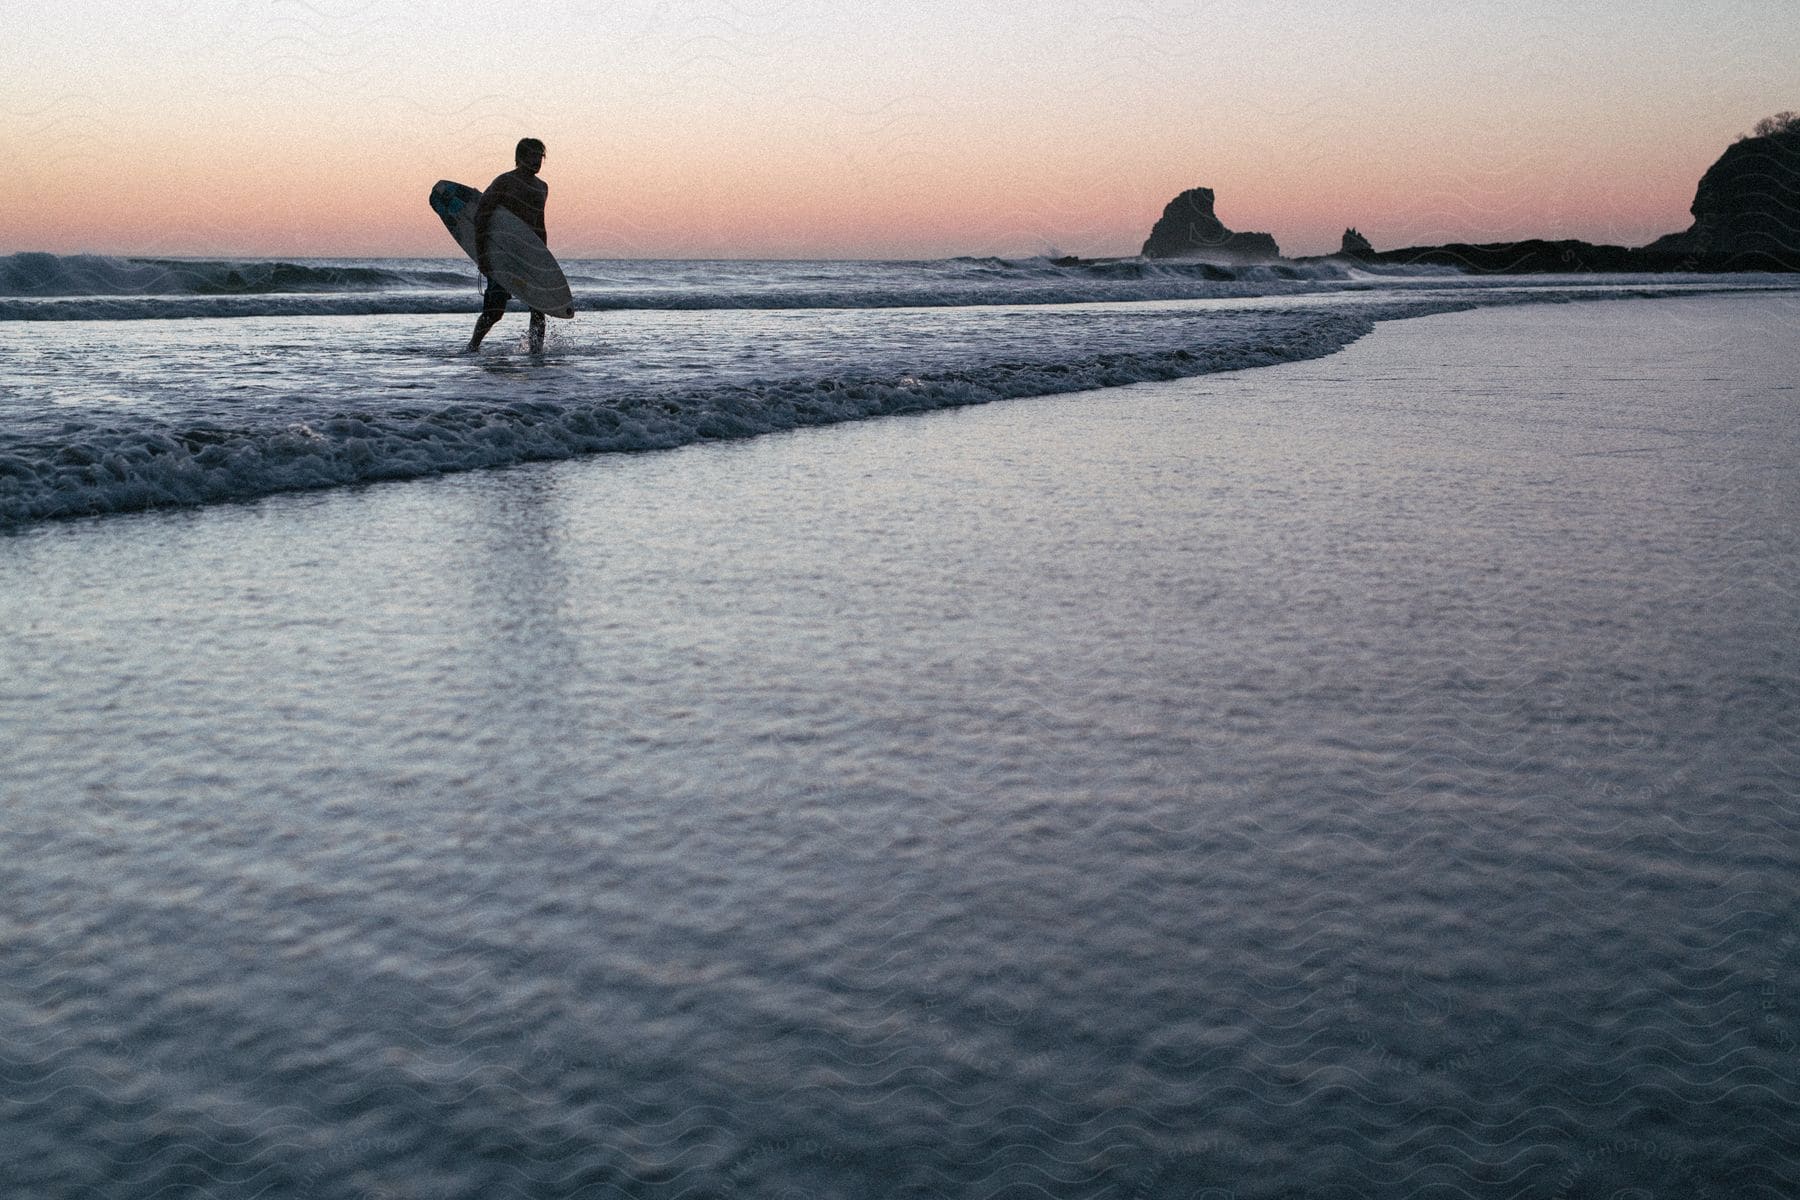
522 264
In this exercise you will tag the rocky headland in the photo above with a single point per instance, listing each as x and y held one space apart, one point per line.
1748 203
1746 218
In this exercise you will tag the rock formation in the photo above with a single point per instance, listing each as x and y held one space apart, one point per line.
1188 229
1747 207
1746 218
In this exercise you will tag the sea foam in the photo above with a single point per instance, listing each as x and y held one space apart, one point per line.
116 463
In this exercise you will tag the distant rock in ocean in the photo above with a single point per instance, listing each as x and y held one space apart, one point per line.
1189 229
1355 245
1748 203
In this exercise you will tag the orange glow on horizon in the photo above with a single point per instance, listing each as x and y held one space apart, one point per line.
926 214
807 132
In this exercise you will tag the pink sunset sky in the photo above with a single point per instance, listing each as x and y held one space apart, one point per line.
805 129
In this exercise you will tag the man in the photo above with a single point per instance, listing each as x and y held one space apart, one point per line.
524 193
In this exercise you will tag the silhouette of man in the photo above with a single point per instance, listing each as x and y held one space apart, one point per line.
524 193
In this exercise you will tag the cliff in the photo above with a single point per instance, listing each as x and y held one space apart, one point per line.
1747 207
1746 218
1188 228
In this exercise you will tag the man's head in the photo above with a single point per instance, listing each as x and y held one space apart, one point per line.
529 154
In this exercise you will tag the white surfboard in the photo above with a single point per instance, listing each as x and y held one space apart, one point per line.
521 263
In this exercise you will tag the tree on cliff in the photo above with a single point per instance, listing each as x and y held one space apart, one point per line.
1781 122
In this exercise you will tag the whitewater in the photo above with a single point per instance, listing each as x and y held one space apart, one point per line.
129 383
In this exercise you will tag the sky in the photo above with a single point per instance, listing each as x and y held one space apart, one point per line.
807 129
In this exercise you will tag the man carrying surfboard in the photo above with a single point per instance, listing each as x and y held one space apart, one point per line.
524 194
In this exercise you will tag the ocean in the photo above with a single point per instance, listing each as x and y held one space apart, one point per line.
968 729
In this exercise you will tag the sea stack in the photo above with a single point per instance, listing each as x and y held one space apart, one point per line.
1189 229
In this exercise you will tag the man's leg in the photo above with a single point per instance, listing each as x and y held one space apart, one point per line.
537 330
493 307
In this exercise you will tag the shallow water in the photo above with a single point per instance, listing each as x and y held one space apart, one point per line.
1366 776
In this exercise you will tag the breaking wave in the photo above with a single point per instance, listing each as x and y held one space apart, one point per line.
36 275
117 464
48 287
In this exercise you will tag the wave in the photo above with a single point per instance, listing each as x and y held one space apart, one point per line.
150 308
48 287
99 468
38 275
